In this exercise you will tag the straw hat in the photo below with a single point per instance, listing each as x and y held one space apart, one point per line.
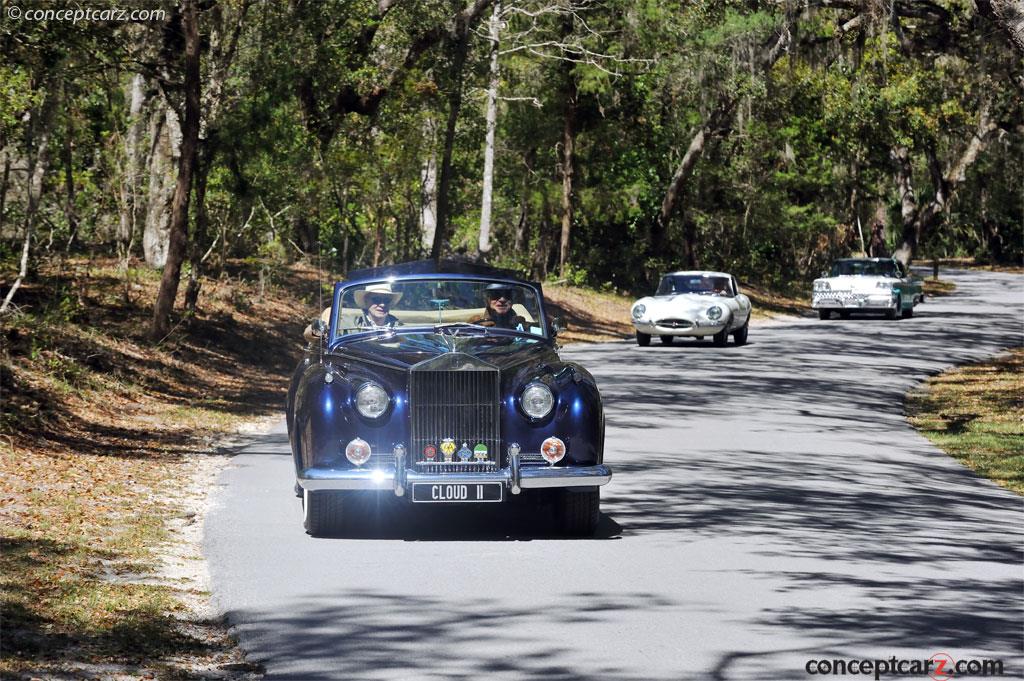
376 290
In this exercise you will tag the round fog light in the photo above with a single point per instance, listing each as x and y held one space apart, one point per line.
553 450
358 451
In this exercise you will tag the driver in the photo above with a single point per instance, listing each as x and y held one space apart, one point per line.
499 313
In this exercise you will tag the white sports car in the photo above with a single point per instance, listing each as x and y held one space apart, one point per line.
693 304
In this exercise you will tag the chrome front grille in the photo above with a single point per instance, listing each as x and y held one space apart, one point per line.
454 396
842 297
674 323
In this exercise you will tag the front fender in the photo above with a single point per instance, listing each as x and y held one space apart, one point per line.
577 417
326 419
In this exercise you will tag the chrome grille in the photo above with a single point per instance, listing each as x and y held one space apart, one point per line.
674 323
454 396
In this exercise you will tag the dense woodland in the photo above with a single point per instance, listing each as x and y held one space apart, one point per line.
598 141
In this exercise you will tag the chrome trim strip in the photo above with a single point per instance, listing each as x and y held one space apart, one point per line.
347 479
513 468
399 479
316 479
586 476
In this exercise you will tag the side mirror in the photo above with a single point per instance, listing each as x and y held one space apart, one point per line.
558 325
319 328
824 274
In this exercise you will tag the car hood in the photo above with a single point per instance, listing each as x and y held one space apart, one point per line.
404 350
683 302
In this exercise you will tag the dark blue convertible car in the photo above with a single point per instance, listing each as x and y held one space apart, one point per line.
440 384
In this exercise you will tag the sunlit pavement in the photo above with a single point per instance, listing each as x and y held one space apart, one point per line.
770 506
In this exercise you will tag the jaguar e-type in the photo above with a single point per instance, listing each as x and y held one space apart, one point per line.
693 304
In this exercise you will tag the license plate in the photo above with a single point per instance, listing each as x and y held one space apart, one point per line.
454 493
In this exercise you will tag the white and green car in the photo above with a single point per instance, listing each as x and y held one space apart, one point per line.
867 285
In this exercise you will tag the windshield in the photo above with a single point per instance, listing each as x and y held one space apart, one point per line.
885 268
484 303
694 283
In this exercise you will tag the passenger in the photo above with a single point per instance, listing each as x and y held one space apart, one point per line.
310 335
500 314
376 301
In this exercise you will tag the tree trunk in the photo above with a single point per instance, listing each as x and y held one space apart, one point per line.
178 243
524 202
130 180
908 204
459 47
1008 15
69 174
165 145
37 167
428 189
4 184
484 246
378 234
690 244
200 237
541 254
568 155
669 204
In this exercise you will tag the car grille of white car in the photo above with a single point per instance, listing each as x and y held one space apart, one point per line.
454 396
674 323
842 296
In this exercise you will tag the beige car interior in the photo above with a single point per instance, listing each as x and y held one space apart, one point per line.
417 317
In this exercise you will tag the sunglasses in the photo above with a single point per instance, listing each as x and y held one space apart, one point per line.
378 300
495 295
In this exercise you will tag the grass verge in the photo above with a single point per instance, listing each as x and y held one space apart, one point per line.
105 462
975 414
934 288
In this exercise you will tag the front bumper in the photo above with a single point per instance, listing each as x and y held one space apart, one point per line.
845 300
399 479
698 328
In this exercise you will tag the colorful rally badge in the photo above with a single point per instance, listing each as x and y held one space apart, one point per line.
448 448
464 453
480 452
430 453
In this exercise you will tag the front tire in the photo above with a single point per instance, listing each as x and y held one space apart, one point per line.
667 340
824 314
722 337
578 512
740 337
643 339
322 513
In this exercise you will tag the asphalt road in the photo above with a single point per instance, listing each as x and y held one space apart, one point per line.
770 506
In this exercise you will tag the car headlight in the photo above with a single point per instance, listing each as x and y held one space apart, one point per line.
537 400
372 400
714 312
639 311
884 284
822 286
